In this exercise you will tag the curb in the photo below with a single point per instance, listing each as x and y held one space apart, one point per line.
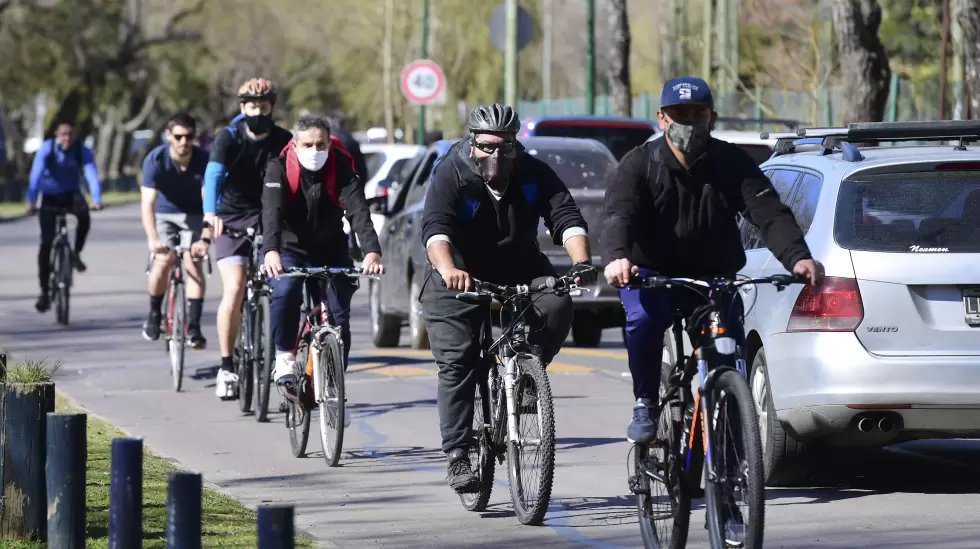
18 217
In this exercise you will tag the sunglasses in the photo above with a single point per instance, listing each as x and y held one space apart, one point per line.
504 147
182 136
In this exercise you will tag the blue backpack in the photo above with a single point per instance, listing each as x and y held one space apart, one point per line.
76 149
233 130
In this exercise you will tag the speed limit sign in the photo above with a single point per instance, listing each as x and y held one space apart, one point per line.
423 82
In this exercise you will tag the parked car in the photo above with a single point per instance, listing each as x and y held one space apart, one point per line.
619 134
751 142
583 165
887 350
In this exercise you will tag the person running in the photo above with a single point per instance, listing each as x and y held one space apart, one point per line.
233 199
170 204
56 179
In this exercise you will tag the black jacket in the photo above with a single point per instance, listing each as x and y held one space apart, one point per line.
310 224
354 148
497 241
686 225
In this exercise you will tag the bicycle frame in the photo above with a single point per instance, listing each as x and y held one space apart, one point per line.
176 276
60 240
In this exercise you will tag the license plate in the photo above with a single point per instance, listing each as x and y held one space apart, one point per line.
971 306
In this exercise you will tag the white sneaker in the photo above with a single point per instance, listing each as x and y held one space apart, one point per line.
285 370
226 385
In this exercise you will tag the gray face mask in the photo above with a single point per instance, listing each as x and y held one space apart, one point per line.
689 138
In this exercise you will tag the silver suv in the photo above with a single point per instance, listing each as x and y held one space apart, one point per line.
888 349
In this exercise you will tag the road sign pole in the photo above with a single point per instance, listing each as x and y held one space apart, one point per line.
510 56
590 56
420 137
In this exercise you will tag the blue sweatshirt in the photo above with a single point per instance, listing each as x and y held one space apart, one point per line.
62 176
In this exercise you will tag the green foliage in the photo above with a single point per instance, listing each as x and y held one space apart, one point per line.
32 371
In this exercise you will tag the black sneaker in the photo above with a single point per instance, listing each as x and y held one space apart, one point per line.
77 263
43 303
195 337
151 328
460 473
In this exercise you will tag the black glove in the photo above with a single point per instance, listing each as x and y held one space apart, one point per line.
585 272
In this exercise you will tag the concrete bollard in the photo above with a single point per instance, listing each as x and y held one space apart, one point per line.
184 511
275 527
65 471
126 494
23 493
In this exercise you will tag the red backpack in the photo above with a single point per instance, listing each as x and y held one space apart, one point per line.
288 155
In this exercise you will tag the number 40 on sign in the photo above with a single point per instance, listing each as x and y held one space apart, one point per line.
423 82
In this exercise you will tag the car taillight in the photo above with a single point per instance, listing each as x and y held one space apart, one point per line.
835 306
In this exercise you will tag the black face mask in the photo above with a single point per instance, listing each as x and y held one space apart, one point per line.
259 124
496 170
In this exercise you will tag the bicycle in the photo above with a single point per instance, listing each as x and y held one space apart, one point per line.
320 349
254 350
175 329
522 389
62 266
670 462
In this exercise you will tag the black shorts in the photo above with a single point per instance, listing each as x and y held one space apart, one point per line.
236 251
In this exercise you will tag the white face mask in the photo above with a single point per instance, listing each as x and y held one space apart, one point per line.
312 159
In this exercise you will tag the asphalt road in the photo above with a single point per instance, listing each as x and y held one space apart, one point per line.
391 490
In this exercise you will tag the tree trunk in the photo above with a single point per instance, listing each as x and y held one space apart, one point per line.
619 58
105 129
389 91
863 61
967 13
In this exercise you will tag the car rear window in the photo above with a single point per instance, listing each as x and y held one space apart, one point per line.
759 153
578 169
617 138
373 160
912 212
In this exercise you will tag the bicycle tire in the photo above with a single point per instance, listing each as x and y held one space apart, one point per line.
481 449
263 353
64 285
729 387
178 335
297 418
531 511
333 406
669 435
243 361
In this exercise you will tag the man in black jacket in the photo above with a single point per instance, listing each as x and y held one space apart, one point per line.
670 209
307 188
481 218
338 128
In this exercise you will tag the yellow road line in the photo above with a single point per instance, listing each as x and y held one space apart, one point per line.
599 353
562 368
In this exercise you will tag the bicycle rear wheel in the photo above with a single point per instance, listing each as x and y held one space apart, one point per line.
662 503
243 359
333 409
263 353
63 287
297 415
481 449
531 459
735 454
178 335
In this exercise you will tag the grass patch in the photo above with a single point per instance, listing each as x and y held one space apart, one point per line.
16 209
225 522
32 371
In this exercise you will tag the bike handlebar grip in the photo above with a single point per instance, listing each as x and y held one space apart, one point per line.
550 282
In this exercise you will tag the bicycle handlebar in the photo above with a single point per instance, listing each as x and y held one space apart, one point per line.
484 291
352 272
778 280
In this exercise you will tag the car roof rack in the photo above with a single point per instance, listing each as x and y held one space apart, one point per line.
833 138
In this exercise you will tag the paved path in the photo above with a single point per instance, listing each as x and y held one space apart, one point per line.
391 491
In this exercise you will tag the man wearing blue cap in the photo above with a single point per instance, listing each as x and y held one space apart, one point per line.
670 210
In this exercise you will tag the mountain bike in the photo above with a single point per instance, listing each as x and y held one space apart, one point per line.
526 434
175 329
320 352
62 266
254 350
668 471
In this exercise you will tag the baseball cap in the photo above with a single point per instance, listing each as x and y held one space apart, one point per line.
686 90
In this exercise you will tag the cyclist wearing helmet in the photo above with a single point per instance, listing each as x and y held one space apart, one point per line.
481 218
233 199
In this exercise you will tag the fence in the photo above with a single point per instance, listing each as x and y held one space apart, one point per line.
34 435
907 101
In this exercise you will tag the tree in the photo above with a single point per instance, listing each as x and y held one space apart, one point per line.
619 58
863 61
967 13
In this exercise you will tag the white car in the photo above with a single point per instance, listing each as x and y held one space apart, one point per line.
381 160
750 142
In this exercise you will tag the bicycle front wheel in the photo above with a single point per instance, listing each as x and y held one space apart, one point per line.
735 499
243 360
531 458
178 339
63 288
481 449
263 354
333 409
297 414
